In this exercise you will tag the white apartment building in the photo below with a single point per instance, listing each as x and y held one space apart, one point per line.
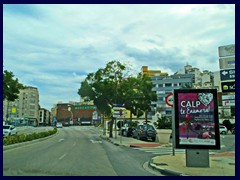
44 117
164 85
26 106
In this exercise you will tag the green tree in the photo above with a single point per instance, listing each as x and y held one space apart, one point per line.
112 85
102 87
11 86
138 95
145 94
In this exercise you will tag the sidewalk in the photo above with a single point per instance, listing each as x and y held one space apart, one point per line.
221 164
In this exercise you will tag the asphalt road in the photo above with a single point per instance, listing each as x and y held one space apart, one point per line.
75 151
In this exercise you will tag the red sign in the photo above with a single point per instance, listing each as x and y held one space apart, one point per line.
169 99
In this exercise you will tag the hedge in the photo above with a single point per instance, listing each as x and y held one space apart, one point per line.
18 138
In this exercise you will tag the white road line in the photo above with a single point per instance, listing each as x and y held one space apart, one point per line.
93 141
60 140
62 156
74 144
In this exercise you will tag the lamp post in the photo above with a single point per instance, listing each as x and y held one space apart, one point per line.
70 110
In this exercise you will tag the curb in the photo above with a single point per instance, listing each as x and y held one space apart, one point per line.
163 171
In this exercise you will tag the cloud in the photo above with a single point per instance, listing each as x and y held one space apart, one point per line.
54 46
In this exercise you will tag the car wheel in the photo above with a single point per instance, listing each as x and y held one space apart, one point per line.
154 139
224 132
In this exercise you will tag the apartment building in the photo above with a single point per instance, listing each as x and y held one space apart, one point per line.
44 117
203 79
164 85
26 106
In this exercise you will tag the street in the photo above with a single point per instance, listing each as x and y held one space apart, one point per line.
75 151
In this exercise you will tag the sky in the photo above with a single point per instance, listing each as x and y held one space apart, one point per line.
55 46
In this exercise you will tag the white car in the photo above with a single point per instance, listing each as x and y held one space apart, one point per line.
59 125
222 129
9 130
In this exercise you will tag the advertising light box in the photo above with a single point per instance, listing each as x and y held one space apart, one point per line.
196 119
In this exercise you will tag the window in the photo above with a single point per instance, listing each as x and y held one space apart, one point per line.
161 99
32 100
168 112
168 85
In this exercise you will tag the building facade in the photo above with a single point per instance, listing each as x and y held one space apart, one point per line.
26 106
163 86
77 113
44 117
152 72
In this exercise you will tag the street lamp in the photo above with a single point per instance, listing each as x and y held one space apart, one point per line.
70 110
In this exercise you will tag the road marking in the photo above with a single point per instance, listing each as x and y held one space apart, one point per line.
60 140
62 156
74 144
93 141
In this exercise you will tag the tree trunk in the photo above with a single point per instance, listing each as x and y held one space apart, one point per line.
111 128
130 115
146 116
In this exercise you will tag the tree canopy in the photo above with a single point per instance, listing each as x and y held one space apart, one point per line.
111 85
11 86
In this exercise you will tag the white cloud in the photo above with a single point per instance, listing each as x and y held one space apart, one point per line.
54 47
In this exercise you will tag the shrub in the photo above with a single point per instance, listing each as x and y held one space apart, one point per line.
27 137
163 123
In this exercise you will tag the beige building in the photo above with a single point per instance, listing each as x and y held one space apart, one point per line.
44 117
203 79
152 72
26 106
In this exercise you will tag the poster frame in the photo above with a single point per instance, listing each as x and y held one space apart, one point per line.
213 114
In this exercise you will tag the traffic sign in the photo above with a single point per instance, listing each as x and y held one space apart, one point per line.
228 102
228 86
227 74
119 105
169 99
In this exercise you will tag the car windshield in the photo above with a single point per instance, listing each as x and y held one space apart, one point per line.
6 127
148 127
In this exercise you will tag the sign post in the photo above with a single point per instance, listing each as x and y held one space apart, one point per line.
169 99
196 124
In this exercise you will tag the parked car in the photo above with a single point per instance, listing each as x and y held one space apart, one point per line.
144 131
222 129
9 130
126 130
59 125
233 130
66 124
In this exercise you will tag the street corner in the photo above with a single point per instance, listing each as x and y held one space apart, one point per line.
162 167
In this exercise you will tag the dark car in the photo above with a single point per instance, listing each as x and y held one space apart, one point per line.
66 124
144 131
233 130
126 130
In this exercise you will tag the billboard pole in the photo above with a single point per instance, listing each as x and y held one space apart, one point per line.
173 128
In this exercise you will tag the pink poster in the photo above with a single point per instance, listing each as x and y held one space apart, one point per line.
196 118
